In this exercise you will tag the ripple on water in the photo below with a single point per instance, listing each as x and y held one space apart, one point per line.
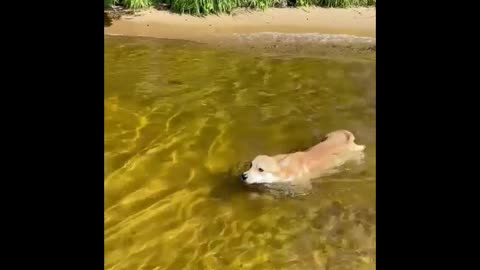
180 122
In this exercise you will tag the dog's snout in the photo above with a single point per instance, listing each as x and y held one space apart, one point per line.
244 176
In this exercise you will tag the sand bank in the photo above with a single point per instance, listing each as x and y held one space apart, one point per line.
287 29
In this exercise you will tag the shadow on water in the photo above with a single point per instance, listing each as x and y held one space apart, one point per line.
229 184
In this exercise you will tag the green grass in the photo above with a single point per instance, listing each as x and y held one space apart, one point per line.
336 3
205 7
108 3
134 4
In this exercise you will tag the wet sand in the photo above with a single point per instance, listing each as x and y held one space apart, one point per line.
284 30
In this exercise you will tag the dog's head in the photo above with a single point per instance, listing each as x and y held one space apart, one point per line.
263 170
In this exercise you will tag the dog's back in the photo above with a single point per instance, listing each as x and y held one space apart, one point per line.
337 141
337 148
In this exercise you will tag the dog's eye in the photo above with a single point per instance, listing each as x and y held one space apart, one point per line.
250 165
260 169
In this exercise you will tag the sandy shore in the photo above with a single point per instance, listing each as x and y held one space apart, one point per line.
163 24
280 29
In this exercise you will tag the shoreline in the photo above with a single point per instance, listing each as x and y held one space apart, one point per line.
164 24
275 30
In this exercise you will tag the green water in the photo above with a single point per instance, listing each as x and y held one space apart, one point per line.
181 119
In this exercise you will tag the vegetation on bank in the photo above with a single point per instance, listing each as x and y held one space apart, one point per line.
204 7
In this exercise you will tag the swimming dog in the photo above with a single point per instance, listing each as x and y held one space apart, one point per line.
337 148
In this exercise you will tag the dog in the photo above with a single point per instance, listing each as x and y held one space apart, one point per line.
337 148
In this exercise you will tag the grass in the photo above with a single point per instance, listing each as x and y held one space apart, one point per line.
205 7
132 4
336 3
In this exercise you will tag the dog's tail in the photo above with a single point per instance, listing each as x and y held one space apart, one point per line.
349 137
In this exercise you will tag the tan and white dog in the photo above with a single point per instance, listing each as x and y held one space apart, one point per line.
336 149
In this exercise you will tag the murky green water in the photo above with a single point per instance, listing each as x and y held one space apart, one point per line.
180 117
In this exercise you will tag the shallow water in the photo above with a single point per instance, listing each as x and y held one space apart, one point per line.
181 119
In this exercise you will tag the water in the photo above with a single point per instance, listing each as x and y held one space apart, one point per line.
181 119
